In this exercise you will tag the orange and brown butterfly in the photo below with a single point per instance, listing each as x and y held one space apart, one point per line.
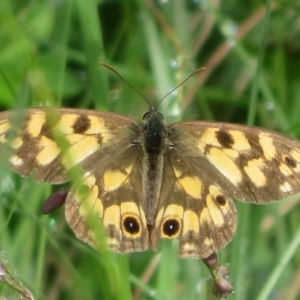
148 180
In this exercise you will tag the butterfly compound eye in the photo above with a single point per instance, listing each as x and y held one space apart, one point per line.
146 114
161 115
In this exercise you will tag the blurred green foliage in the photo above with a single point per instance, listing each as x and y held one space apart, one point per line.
49 56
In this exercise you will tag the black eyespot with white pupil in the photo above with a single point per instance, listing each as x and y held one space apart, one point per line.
171 227
131 225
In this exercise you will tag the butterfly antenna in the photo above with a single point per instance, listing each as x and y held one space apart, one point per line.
119 75
180 84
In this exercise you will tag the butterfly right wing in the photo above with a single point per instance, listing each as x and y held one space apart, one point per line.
113 197
51 141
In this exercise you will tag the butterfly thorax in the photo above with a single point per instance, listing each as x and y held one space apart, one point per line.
153 146
154 131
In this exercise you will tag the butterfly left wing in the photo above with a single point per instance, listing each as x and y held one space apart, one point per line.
193 208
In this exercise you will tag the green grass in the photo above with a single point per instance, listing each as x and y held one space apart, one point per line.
49 55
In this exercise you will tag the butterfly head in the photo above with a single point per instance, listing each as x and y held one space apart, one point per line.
154 130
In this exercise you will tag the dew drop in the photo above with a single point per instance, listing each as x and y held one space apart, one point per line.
174 64
270 106
229 28
2 270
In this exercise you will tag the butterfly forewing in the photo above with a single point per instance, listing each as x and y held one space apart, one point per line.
249 163
51 141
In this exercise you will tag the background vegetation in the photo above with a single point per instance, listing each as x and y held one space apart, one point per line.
49 56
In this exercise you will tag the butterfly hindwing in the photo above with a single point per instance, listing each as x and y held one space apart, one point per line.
192 208
114 198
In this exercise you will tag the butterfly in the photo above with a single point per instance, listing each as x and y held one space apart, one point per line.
147 180
150 180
